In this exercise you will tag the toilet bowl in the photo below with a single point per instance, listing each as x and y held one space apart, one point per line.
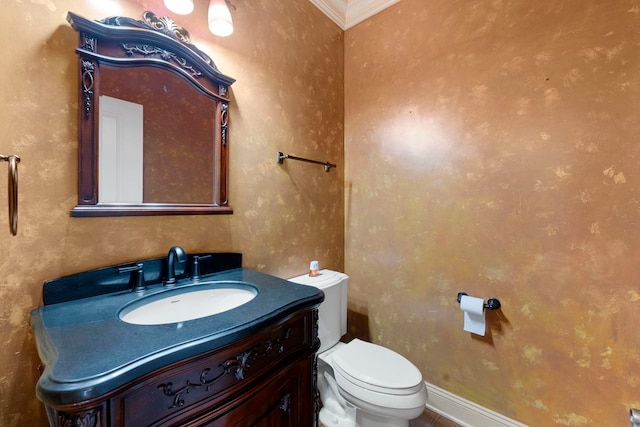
361 384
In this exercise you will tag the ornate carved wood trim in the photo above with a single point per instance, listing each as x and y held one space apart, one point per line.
165 55
317 401
285 403
237 366
316 339
224 122
89 418
88 80
163 25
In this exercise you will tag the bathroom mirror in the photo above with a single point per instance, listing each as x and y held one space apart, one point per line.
153 121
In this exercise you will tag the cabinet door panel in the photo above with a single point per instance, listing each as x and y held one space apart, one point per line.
280 402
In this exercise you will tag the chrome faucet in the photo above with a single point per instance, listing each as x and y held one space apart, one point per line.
175 253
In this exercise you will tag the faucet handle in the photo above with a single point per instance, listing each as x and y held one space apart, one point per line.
138 279
195 276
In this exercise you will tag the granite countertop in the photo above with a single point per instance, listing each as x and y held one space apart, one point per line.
88 351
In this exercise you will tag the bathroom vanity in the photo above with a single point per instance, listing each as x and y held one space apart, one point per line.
250 365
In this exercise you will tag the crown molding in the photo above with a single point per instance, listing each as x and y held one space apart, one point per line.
347 13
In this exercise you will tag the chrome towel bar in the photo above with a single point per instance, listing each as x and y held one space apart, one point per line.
12 187
327 165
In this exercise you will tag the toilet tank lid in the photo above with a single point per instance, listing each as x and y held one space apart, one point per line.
324 279
378 366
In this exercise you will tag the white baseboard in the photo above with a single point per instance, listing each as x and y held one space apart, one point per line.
464 412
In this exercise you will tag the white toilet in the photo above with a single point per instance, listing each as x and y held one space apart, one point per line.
361 384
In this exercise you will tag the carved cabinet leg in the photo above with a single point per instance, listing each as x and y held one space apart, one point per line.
93 417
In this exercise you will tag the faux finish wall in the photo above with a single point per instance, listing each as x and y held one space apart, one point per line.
492 147
287 58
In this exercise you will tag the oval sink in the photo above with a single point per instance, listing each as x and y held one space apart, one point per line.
180 305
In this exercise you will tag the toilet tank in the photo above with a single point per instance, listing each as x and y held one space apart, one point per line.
332 314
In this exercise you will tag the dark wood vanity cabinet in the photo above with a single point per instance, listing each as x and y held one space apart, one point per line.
266 379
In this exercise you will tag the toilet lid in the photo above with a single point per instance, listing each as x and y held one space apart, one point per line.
377 368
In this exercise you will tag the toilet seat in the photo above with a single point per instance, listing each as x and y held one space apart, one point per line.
377 368
378 375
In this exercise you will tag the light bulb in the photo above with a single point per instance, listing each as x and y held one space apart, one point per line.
181 7
220 22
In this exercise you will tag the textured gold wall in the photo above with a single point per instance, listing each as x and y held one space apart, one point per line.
287 58
492 147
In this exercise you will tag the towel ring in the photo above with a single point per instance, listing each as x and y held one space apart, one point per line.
12 190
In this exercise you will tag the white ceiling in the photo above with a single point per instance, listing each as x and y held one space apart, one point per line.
347 13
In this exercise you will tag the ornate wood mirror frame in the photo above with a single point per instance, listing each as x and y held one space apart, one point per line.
154 57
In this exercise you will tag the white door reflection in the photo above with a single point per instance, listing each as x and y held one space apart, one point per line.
120 172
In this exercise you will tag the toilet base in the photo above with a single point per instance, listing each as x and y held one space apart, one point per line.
362 419
332 419
340 409
367 415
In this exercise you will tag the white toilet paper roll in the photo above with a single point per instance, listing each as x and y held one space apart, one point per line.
473 309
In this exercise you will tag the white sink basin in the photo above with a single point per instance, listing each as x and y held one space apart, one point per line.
180 305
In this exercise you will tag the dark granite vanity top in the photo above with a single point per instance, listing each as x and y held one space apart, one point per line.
88 351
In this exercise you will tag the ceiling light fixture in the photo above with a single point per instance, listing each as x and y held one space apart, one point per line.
181 7
220 22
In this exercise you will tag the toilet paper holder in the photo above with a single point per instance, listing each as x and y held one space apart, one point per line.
491 304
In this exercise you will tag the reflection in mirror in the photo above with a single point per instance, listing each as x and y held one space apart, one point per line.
153 121
176 170
120 151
